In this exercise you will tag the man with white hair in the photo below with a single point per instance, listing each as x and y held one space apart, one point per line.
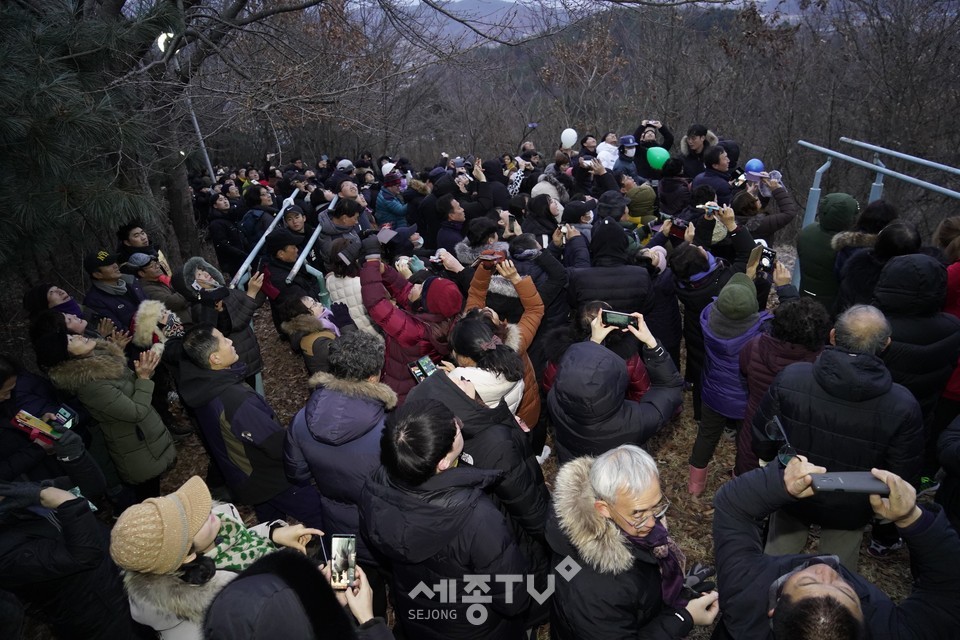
608 518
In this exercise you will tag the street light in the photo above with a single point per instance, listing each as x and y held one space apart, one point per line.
162 45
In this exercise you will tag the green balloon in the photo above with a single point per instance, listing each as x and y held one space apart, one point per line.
656 156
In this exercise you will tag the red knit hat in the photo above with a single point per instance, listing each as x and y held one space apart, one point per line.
442 297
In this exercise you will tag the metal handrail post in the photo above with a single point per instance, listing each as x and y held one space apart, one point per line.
305 251
876 189
256 248
902 156
810 213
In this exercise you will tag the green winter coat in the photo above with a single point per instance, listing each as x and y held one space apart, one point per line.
136 438
838 211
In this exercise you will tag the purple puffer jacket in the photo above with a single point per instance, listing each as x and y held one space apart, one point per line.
723 389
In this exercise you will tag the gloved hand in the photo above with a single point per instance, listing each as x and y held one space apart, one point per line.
415 264
341 315
696 579
18 495
370 247
69 447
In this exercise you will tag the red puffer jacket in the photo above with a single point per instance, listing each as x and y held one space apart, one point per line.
408 335
952 306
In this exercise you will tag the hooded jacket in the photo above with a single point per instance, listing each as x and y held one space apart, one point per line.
925 342
723 389
693 162
616 593
311 340
238 307
932 610
674 194
587 402
719 181
948 452
241 430
845 413
330 232
815 252
494 441
761 359
442 530
335 442
138 442
168 605
625 287
848 243
347 291
228 240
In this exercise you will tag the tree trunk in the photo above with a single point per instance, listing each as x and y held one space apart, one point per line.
181 213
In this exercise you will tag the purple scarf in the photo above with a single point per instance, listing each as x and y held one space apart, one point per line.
671 560
326 319
70 306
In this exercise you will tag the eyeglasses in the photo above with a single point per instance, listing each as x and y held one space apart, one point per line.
774 431
656 512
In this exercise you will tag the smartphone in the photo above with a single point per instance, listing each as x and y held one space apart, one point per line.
618 319
343 561
257 263
36 427
512 223
849 482
768 258
422 368
64 418
678 228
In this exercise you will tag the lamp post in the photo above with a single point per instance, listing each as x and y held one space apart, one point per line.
162 45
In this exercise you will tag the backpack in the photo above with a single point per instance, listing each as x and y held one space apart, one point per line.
249 224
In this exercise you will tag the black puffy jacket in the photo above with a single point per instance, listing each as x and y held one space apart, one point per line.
845 413
948 451
587 402
443 530
495 442
925 343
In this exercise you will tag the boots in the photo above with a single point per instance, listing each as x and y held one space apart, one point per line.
697 482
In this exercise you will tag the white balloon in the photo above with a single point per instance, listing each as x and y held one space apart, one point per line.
568 138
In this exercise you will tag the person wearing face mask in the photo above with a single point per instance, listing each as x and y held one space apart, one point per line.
580 215
96 372
626 158
609 517
178 551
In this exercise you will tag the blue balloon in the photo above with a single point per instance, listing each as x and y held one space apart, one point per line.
754 165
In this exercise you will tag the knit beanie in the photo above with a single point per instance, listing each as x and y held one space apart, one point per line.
442 297
155 536
51 348
35 299
738 298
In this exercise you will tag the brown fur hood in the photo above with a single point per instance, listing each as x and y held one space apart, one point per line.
597 539
711 140
855 239
362 389
419 186
107 362
304 323
170 594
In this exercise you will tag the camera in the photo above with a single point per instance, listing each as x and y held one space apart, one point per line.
768 259
678 228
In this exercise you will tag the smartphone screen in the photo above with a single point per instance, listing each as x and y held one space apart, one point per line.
426 366
343 561
618 319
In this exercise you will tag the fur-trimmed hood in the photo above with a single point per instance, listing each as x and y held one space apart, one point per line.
711 139
419 186
853 239
362 389
146 330
305 323
107 362
597 539
498 284
190 269
562 194
167 593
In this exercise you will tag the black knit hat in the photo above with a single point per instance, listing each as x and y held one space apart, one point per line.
35 299
51 348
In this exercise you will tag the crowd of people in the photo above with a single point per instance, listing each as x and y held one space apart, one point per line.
458 326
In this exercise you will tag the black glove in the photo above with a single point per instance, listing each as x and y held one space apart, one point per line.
18 495
69 447
370 247
341 315
696 579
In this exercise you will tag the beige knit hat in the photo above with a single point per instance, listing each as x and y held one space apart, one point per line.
155 536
